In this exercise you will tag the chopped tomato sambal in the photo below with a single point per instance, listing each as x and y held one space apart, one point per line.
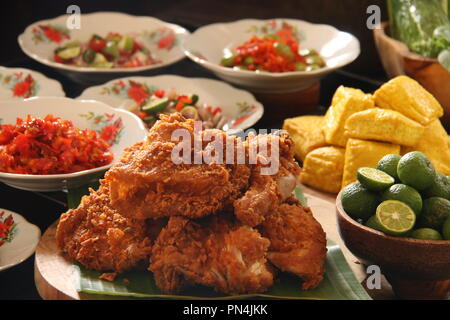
50 146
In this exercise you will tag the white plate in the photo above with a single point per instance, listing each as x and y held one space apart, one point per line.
21 83
208 45
235 104
23 244
34 42
84 114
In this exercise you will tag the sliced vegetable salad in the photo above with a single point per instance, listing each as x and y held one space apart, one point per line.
151 102
113 51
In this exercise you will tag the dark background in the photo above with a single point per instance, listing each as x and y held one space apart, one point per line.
346 15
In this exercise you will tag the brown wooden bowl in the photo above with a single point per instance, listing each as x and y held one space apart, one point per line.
416 269
398 60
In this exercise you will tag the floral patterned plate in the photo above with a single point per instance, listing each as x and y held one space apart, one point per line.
163 39
238 106
20 83
121 128
20 241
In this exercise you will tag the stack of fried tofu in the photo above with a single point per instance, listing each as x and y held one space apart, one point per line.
359 129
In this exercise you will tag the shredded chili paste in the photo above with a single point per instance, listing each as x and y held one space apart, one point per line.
50 146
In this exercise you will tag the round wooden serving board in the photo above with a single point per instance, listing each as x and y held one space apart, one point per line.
55 275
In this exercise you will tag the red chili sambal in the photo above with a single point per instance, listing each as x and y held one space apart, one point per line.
50 146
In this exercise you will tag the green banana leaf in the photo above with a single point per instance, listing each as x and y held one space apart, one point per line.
339 283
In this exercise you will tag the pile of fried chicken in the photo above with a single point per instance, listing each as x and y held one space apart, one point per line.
225 226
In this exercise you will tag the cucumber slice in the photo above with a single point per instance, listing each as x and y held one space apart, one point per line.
115 39
308 52
248 61
126 43
194 98
69 53
89 55
189 112
284 49
227 62
300 66
96 36
272 36
101 62
156 106
111 49
99 58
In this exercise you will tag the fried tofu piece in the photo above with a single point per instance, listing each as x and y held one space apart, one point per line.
408 97
384 125
323 168
434 143
306 132
346 101
364 153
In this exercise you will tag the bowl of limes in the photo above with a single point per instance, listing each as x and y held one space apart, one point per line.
397 216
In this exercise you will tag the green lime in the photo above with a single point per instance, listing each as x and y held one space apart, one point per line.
435 211
416 170
446 229
374 179
395 217
389 165
425 234
359 202
69 53
439 188
406 194
372 223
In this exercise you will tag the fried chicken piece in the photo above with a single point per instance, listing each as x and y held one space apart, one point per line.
99 238
267 191
297 242
215 251
147 183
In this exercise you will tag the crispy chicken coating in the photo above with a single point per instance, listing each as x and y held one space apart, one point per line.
221 224
149 184
99 238
297 242
266 192
215 251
